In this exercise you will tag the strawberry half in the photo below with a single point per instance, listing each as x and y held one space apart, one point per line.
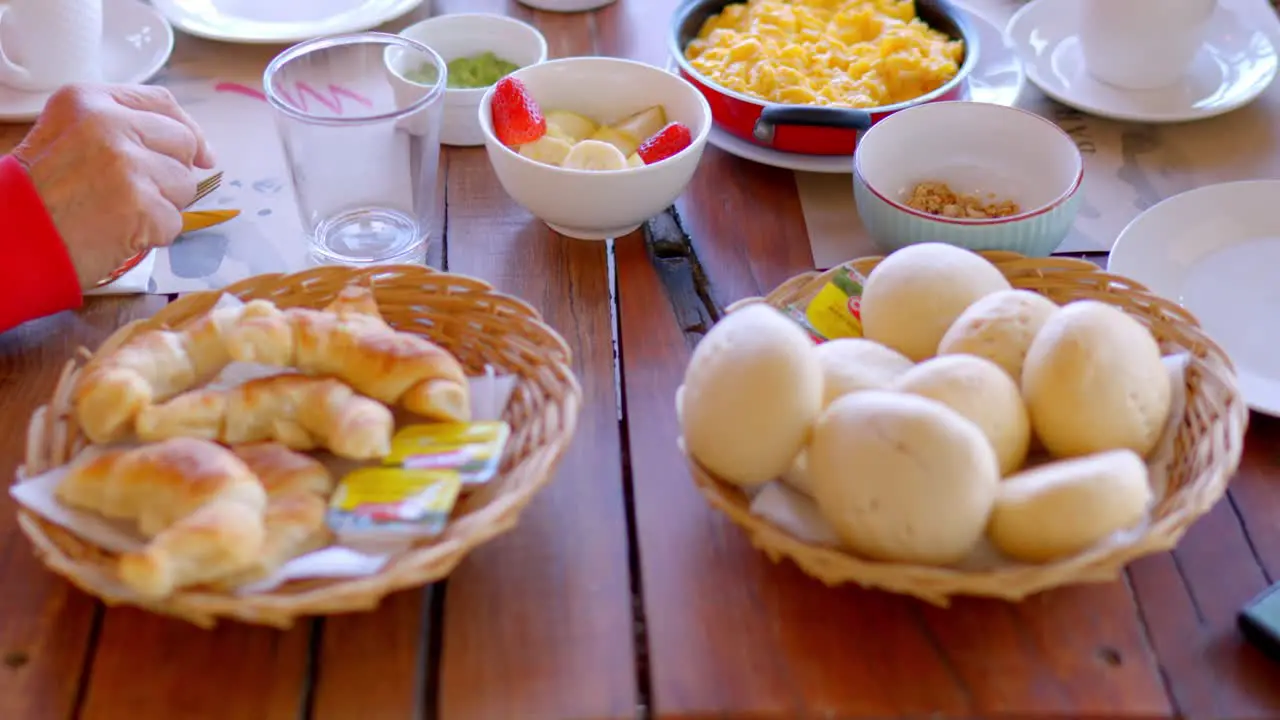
666 142
517 119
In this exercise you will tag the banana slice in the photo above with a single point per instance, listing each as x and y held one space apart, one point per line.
547 150
635 161
570 126
595 155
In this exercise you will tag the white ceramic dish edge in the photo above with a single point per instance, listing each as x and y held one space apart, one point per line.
1214 250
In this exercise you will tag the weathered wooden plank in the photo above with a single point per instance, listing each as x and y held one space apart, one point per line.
537 624
46 626
1190 597
150 667
374 664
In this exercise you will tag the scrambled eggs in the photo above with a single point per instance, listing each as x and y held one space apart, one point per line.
851 53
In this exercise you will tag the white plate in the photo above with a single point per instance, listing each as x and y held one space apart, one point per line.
279 21
1236 64
136 44
997 78
1216 251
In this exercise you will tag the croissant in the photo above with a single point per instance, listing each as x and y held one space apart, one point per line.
283 471
354 300
153 367
361 350
296 486
300 411
200 506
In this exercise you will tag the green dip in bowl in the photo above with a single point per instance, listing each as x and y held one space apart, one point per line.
475 71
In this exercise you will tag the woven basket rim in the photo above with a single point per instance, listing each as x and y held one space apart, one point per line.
1216 390
557 398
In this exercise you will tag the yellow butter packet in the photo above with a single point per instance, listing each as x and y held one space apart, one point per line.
473 450
835 312
392 500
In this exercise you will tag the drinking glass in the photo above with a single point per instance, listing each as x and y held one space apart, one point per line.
362 142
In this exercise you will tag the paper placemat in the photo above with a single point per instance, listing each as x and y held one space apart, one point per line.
1128 167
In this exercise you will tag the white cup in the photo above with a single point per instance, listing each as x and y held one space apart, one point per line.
45 44
1142 44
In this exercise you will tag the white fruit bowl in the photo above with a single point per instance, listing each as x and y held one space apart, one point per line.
591 204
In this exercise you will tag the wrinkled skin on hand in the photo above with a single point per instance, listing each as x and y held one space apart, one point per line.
114 165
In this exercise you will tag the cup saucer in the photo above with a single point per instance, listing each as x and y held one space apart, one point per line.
137 42
1234 66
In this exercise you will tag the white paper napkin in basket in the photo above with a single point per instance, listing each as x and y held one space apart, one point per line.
797 514
489 395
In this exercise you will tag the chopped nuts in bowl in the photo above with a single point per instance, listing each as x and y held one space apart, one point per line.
937 198
977 175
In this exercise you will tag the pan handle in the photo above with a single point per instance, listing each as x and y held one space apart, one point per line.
810 116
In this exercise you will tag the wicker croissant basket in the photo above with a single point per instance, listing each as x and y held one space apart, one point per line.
479 325
1207 449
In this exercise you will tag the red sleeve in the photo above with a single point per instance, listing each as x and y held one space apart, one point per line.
36 274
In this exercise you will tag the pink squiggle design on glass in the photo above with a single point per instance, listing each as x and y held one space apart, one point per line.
332 101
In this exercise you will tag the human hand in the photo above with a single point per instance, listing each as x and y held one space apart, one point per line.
114 165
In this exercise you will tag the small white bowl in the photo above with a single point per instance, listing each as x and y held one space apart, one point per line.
463 35
975 148
598 205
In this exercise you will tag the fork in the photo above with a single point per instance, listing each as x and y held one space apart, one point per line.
203 189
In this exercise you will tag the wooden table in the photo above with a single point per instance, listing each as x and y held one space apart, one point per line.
621 594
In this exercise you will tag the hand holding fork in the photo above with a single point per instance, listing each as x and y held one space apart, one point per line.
113 164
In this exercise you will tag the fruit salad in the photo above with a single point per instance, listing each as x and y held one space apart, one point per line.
570 140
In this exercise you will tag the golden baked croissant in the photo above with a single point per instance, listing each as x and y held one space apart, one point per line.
283 471
200 506
297 486
354 300
302 412
153 367
361 350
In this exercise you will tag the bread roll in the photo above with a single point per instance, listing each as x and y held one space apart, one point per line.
751 393
902 478
852 364
1093 381
913 296
983 394
1061 509
1000 328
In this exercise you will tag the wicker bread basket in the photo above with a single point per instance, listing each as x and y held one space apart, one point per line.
1207 449
466 316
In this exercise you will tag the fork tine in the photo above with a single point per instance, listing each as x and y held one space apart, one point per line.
206 186
210 182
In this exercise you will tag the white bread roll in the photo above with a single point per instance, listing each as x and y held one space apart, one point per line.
1063 508
1093 381
751 393
983 394
1000 328
916 293
902 478
853 364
